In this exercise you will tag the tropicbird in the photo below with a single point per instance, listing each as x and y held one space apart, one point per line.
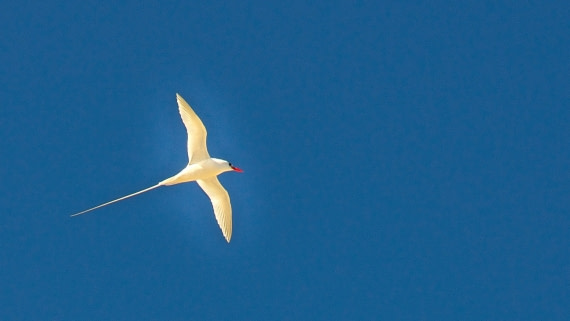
201 168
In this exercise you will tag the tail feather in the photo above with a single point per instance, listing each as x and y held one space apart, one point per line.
118 199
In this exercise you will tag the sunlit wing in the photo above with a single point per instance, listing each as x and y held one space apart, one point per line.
221 203
197 149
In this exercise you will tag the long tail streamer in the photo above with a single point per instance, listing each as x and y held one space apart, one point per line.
118 199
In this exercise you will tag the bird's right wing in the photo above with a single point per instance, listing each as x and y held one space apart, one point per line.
197 149
221 203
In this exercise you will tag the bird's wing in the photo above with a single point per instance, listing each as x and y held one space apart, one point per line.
197 149
221 203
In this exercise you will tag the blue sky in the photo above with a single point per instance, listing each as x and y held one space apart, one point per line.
403 160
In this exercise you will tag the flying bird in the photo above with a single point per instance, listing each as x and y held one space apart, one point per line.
201 168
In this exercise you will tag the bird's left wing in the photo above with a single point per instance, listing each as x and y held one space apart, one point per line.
197 149
221 203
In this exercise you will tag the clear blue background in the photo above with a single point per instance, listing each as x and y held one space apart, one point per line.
403 160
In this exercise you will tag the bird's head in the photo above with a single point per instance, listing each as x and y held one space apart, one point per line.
226 166
236 169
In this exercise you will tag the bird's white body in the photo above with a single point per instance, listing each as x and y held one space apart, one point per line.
204 169
201 168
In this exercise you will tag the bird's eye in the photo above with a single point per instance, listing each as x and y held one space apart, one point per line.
230 164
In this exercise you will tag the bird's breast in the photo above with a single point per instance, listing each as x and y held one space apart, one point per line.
191 173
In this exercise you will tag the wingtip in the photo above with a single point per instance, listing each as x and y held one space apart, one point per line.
179 99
